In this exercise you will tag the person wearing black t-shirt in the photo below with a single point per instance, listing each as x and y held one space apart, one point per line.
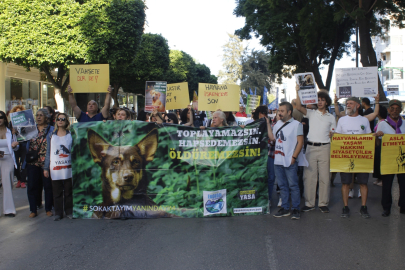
365 103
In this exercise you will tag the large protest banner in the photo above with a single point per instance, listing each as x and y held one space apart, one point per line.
356 82
252 103
24 122
177 96
155 96
135 169
393 154
352 153
218 96
89 78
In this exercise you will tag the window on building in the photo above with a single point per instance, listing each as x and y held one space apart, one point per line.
22 92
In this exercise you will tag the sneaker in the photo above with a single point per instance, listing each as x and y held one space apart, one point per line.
345 212
386 213
23 185
18 184
307 208
279 203
359 194
295 214
324 209
282 213
70 216
10 215
376 182
363 212
56 218
351 193
49 213
32 215
379 184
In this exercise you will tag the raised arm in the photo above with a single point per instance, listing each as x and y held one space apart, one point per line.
106 109
269 130
298 105
337 109
370 117
73 104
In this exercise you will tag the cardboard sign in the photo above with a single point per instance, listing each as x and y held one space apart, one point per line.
352 153
252 103
392 90
177 96
218 96
24 122
308 93
89 78
356 82
155 96
393 151
195 101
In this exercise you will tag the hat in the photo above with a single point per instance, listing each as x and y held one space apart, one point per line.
353 99
395 102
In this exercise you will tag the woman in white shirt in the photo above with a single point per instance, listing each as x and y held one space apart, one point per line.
8 144
58 165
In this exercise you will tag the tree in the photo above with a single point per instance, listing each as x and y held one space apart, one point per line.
255 71
300 35
204 75
182 69
364 12
150 64
232 61
52 34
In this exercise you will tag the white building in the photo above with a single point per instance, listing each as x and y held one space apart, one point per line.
390 50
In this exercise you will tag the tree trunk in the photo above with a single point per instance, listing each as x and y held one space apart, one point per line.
114 94
368 55
318 77
60 104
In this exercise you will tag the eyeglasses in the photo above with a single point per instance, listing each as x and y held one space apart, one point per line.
61 119
169 120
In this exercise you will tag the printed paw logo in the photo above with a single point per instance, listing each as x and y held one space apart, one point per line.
214 206
351 165
362 127
85 208
401 159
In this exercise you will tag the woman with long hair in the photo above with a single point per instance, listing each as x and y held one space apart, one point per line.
8 144
187 117
51 112
59 147
171 118
35 161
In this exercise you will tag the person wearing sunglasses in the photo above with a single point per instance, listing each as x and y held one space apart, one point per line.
58 166
171 118
8 144
34 162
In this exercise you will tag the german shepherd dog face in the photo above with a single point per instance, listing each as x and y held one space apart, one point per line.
122 166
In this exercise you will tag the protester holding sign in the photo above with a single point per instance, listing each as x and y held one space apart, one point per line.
353 123
288 134
58 165
34 161
321 124
8 144
92 108
392 125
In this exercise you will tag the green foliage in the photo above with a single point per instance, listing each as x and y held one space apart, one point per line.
300 35
232 61
172 182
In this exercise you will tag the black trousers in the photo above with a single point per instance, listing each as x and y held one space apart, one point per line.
35 178
19 155
62 196
386 200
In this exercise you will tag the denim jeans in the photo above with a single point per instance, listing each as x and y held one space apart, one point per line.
271 177
287 180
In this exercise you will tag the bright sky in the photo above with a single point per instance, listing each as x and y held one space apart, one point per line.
200 29
196 27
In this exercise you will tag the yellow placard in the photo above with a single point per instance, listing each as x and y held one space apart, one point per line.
393 154
212 97
89 78
352 153
177 96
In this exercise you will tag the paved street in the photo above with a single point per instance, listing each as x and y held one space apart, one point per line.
316 241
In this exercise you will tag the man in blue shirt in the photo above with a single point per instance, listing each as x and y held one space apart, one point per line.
92 108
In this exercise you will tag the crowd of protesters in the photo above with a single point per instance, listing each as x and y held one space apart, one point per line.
299 168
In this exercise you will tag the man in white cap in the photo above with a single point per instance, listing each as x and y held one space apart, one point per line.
353 123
